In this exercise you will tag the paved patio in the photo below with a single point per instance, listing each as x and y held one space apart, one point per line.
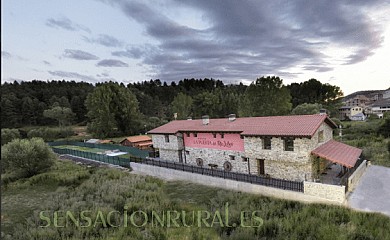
332 175
372 193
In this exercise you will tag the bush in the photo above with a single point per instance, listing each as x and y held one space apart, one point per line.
50 134
25 158
7 135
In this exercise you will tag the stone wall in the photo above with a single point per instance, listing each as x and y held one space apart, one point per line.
170 174
219 157
294 165
355 177
175 142
171 155
327 191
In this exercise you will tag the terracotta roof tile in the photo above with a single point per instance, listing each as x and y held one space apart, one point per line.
295 125
338 152
135 139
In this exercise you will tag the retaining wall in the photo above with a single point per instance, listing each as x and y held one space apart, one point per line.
327 191
170 174
355 177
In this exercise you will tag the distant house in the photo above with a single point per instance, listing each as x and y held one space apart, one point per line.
358 117
380 107
141 142
347 112
106 141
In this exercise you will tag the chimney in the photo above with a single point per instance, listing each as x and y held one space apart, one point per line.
205 119
232 117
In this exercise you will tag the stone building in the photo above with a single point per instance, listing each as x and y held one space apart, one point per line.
287 147
141 142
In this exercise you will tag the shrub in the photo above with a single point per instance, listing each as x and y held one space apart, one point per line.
7 135
50 134
25 158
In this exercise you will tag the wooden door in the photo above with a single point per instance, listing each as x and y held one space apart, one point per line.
260 166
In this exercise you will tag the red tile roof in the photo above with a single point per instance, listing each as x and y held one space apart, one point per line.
338 152
145 144
135 139
295 125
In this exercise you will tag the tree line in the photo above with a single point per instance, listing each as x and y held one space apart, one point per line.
112 109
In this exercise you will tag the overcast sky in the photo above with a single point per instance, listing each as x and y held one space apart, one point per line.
345 43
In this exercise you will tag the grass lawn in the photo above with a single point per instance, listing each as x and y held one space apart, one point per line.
68 186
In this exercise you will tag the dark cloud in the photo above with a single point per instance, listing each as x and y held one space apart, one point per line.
5 54
111 63
66 23
73 76
79 55
247 39
105 40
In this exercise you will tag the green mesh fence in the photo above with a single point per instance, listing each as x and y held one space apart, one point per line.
115 160
131 150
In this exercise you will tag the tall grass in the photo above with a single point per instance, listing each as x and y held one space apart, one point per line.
76 188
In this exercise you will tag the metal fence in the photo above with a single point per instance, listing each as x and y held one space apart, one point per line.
254 179
132 150
116 160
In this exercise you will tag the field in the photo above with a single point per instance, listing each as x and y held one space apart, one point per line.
68 186
364 135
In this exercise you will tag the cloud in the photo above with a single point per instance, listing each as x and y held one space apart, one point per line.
5 55
66 24
252 38
46 63
79 55
73 76
111 63
105 40
135 52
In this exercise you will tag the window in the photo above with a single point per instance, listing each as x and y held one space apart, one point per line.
167 138
195 135
232 157
288 144
245 159
214 135
267 143
222 135
188 134
188 152
321 136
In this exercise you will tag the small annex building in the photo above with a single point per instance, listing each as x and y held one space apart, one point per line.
140 142
297 147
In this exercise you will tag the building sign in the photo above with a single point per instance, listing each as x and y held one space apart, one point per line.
207 140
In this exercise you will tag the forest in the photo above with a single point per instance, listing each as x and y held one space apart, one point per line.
114 109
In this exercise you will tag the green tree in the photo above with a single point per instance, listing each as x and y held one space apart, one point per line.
267 96
206 103
384 128
113 109
63 115
313 91
182 105
7 135
306 108
26 157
